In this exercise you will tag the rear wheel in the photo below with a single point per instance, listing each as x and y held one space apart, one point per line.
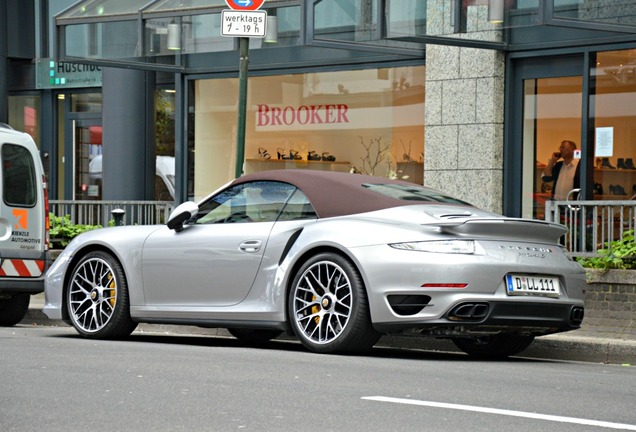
14 309
97 298
494 346
328 306
254 336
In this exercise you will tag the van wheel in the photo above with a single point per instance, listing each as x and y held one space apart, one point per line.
14 309
97 298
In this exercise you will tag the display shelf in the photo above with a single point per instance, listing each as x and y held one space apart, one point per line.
413 170
257 165
615 170
299 161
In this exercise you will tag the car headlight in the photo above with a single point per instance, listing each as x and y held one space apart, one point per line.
438 246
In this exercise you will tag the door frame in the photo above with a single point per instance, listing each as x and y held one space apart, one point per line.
71 121
519 70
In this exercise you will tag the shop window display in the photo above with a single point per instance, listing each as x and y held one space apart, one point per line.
369 121
552 114
614 101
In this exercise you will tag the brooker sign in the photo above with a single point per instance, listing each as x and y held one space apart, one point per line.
301 115
337 116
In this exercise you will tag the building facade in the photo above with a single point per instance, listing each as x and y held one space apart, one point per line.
470 97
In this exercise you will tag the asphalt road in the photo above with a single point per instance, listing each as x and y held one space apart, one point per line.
56 381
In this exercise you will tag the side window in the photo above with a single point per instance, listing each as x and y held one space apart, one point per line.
298 207
18 176
249 202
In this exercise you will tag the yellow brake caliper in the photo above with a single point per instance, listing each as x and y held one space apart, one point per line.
315 310
111 293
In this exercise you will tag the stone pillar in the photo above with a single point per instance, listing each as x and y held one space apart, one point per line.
464 110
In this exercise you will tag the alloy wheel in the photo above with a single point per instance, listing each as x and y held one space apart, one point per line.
322 303
93 295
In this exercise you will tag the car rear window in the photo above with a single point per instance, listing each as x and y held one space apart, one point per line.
18 176
412 193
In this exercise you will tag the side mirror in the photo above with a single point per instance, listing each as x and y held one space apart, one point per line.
182 214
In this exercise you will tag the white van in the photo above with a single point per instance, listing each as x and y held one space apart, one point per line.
24 224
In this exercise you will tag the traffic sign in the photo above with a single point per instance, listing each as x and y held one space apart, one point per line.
244 5
236 23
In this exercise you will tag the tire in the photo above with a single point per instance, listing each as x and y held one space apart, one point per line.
254 336
495 346
328 306
97 298
14 309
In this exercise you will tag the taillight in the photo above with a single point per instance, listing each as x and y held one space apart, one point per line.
47 220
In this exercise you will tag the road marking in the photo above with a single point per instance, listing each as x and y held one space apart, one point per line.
547 417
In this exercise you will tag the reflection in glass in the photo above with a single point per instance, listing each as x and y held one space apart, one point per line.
552 113
369 121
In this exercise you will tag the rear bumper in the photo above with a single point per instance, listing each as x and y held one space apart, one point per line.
538 318
22 285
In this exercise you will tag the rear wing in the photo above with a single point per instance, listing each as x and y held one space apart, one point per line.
522 229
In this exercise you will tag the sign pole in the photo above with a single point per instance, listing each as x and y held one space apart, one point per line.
244 46
243 20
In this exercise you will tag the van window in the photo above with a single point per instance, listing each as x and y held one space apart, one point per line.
18 176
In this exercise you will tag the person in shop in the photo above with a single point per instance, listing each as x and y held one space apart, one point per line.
563 171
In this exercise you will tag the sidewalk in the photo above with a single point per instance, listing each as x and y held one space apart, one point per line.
597 345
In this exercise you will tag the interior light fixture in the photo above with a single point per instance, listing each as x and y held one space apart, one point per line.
496 11
271 31
174 37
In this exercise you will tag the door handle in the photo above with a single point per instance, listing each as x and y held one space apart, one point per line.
251 246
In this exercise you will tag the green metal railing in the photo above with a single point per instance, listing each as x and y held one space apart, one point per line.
101 212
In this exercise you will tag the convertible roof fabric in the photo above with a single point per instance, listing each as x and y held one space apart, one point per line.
335 193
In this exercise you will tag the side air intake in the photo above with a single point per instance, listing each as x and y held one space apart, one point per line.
408 304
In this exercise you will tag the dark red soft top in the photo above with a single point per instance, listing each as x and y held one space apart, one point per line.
335 193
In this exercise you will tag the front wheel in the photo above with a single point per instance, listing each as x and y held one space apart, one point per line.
494 346
14 309
97 298
328 306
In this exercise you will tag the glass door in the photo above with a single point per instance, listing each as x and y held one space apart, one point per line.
551 141
545 107
86 159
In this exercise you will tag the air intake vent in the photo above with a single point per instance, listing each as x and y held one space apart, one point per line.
451 216
408 304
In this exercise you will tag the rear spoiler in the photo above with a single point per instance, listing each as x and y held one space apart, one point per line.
522 229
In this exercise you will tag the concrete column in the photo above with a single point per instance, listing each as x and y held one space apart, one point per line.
128 163
464 111
4 67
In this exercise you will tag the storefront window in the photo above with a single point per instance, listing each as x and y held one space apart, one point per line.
86 102
24 115
621 12
369 121
164 135
613 102
348 20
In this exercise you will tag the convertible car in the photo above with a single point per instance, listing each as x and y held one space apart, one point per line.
335 259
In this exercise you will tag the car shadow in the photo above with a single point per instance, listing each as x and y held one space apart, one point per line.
289 344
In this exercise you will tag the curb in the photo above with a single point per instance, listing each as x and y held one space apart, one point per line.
561 346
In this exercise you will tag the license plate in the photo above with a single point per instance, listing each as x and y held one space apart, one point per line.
533 285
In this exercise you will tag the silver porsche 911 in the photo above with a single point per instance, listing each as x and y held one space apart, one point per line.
335 259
